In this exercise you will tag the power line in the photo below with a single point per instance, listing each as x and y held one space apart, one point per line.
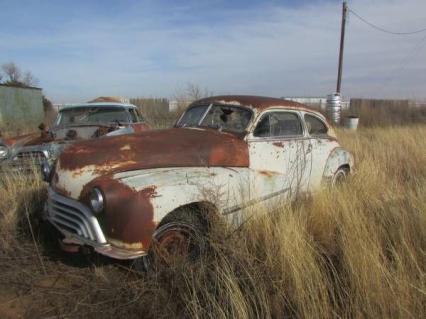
404 63
384 30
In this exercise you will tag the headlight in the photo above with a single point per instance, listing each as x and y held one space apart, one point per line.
4 151
97 200
46 171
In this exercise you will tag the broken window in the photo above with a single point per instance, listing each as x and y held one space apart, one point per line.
222 117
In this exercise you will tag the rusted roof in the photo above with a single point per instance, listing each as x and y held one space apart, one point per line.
255 102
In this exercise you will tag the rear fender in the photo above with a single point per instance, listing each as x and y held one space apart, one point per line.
338 157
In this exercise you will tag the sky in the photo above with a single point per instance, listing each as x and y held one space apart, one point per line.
154 48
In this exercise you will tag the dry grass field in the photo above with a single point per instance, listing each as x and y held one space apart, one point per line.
355 252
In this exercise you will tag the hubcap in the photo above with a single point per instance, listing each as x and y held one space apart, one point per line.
172 245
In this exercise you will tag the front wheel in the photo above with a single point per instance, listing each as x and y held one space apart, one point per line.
179 237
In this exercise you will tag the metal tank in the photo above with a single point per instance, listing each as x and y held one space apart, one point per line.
334 107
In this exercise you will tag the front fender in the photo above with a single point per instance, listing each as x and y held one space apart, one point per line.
137 201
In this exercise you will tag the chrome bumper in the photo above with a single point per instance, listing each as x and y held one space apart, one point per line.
80 227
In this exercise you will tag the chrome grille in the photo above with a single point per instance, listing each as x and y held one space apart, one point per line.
71 216
29 158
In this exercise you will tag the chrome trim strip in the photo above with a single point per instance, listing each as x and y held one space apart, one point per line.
236 208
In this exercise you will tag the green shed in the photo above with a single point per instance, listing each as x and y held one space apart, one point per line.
21 108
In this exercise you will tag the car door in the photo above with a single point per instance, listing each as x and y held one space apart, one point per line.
321 146
279 156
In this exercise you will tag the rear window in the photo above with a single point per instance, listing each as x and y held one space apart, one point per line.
275 124
315 125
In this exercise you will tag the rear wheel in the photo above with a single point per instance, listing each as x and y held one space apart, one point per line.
339 177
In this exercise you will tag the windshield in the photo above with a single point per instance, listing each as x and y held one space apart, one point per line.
226 117
92 115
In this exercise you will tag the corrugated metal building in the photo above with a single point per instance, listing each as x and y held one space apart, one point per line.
20 107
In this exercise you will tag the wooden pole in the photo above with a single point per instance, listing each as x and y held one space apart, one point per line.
342 45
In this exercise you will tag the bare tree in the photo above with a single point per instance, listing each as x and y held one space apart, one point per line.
195 92
12 72
14 76
29 79
189 94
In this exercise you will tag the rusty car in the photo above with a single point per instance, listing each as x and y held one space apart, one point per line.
74 122
145 194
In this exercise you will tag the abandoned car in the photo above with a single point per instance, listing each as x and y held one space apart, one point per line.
73 123
134 194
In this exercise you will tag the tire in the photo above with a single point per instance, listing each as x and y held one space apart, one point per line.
339 177
181 236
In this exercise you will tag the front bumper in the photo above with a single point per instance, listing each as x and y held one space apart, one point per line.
80 227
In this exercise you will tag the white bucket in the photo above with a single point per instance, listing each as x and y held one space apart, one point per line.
351 122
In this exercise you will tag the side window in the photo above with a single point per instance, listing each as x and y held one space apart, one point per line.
278 124
133 115
315 125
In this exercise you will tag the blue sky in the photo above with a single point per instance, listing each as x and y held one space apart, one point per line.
82 49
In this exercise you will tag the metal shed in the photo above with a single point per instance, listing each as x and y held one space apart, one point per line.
20 107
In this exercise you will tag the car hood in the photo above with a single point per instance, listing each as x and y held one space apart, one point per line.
176 147
27 140
66 134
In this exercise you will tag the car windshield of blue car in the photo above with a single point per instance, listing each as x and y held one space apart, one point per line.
93 115
222 117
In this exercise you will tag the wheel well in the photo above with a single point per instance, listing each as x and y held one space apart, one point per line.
345 167
205 210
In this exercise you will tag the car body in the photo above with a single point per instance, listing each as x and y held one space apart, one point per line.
232 153
74 122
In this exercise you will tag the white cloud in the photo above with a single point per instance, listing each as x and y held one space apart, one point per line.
270 50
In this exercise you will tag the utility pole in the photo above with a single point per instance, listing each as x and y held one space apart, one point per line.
342 45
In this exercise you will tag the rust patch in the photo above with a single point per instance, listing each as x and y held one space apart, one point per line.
128 215
140 127
29 139
267 173
10 141
58 189
278 144
176 147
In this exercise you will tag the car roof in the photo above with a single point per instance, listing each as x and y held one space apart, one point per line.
258 103
98 104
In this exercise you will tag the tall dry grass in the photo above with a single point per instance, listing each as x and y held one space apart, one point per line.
354 252
21 197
